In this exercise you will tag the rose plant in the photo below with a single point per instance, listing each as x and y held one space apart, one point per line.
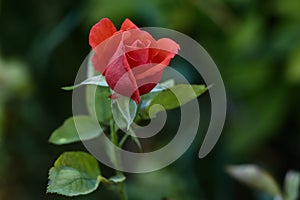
127 67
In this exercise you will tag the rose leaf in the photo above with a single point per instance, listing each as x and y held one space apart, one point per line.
174 97
73 174
86 126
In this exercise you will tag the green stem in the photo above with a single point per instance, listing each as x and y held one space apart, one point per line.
123 140
122 189
114 138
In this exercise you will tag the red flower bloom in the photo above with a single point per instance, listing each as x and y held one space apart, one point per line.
131 60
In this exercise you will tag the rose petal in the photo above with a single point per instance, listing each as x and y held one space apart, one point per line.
119 77
168 49
138 57
108 51
101 31
140 47
128 25
145 89
146 84
168 45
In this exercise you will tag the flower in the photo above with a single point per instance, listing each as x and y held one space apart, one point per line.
131 60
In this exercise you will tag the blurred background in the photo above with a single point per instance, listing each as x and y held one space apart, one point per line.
255 44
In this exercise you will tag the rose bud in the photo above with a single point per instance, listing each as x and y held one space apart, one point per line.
131 60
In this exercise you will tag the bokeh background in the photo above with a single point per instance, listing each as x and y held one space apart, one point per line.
256 45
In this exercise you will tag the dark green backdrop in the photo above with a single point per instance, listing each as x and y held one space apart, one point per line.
256 45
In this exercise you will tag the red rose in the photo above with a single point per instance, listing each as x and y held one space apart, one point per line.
131 60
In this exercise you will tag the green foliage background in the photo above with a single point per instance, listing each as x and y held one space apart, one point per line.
255 44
